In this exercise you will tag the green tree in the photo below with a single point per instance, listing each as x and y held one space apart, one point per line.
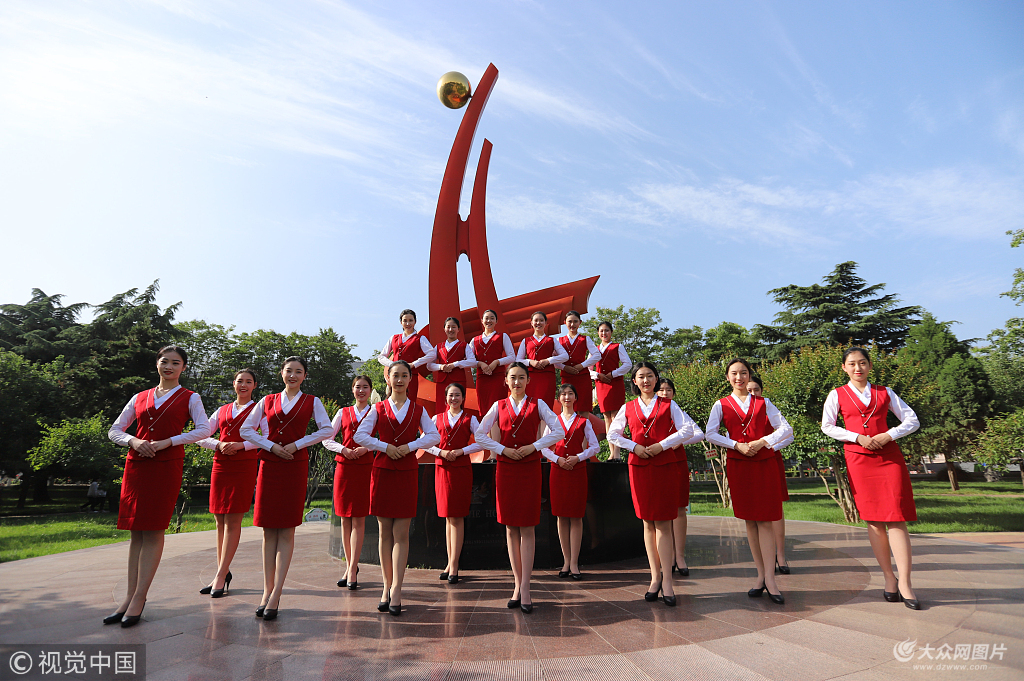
1003 359
36 330
78 449
28 396
1002 442
842 310
636 329
1016 292
729 338
207 345
682 346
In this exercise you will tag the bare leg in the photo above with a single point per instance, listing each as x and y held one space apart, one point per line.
385 548
227 545
651 545
762 549
679 535
149 561
269 562
779 531
575 539
448 546
356 544
134 551
564 540
754 542
899 542
285 548
399 557
219 518
527 546
880 547
614 449
515 559
663 533
346 543
458 536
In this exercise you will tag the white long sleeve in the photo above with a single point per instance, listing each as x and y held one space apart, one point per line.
333 445
908 418
625 364
472 447
553 435
593 446
778 421
215 426
257 417
429 436
509 352
127 416
686 428
593 356
558 356
467 363
429 353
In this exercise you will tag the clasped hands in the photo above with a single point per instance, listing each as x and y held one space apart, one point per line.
750 448
573 369
286 452
149 448
355 453
451 454
648 452
517 454
539 363
488 368
230 448
568 462
874 443
396 453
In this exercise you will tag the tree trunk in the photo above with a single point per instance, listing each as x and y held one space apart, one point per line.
718 455
40 493
181 507
843 495
22 492
951 472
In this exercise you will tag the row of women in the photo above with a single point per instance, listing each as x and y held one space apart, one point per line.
263 445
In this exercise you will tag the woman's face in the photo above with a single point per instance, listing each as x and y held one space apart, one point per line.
293 374
398 378
489 321
754 389
451 329
170 365
645 380
666 391
408 323
605 334
361 390
573 322
454 398
244 384
568 399
857 367
516 380
538 323
738 376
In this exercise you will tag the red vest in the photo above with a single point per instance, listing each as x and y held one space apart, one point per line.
287 428
159 424
651 430
229 432
869 420
609 360
349 425
453 437
577 349
409 351
575 440
519 430
491 350
445 356
391 432
748 427
540 349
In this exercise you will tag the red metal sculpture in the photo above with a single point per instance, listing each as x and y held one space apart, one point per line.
453 237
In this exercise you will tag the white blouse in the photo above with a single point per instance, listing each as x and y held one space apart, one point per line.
471 448
686 429
908 418
559 356
593 354
625 364
554 428
782 428
257 417
506 343
364 433
332 444
212 442
118 435
593 446
467 363
429 353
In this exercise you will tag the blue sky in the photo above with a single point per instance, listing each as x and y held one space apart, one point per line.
276 165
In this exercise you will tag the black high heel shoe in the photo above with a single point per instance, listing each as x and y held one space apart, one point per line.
527 608
220 593
577 576
892 596
776 598
269 614
911 603
562 574
342 583
670 601
352 585
132 620
784 569
206 590
652 596
383 606
756 593
260 610
443 576
513 603
113 619
395 610
684 571
453 579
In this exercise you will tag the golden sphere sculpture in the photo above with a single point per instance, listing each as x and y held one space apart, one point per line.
454 90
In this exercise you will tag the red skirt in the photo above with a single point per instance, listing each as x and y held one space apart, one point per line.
684 478
584 389
352 489
149 491
782 476
517 492
611 396
880 483
453 488
232 484
755 488
542 386
280 493
490 389
568 490
393 493
655 491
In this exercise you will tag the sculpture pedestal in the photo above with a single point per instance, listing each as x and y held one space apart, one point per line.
611 530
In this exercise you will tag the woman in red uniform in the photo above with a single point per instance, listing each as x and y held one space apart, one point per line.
667 390
756 388
284 471
567 481
352 478
450 355
233 478
583 354
656 425
512 430
410 347
541 353
754 427
397 423
152 472
608 376
878 474
453 476
493 352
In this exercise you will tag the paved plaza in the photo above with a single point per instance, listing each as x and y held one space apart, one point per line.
834 624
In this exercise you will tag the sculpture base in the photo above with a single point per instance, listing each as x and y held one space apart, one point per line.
611 530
